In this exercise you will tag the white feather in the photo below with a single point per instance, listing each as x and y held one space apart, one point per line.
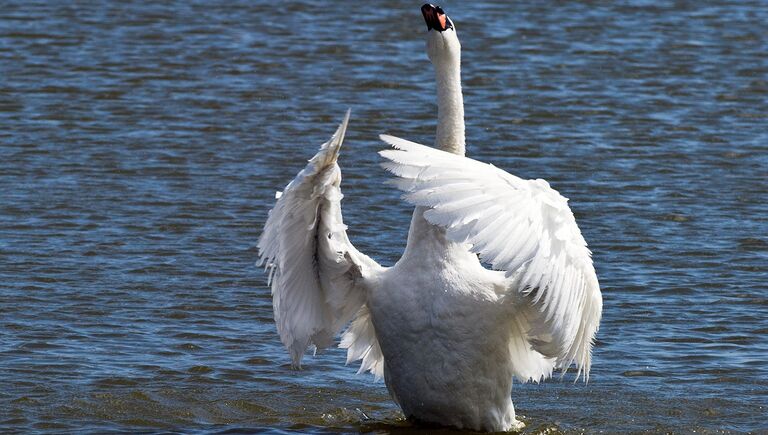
529 229
318 278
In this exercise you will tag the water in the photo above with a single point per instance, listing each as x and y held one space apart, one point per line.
141 145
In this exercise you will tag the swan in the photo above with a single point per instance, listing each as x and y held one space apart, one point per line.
447 335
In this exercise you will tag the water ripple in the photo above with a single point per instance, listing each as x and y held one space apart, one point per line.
142 145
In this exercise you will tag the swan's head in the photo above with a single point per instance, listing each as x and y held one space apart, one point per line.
442 42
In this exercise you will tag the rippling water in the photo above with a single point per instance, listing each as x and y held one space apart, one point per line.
141 144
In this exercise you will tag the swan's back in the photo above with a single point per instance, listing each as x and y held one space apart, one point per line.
446 332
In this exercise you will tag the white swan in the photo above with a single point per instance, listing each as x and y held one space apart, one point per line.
446 334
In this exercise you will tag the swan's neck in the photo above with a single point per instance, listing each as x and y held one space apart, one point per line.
450 107
428 245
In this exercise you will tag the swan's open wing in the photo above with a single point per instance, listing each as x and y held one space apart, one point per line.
317 276
523 227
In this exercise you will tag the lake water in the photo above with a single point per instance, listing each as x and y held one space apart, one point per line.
141 144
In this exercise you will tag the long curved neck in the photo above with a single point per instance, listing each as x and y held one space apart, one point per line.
450 106
427 243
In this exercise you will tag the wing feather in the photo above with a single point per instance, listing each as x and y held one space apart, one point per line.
317 276
523 227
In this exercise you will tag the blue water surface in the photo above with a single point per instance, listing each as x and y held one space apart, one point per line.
141 144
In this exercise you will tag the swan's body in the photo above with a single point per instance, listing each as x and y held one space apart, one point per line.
447 334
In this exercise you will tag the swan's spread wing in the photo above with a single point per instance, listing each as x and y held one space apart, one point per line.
318 278
523 227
